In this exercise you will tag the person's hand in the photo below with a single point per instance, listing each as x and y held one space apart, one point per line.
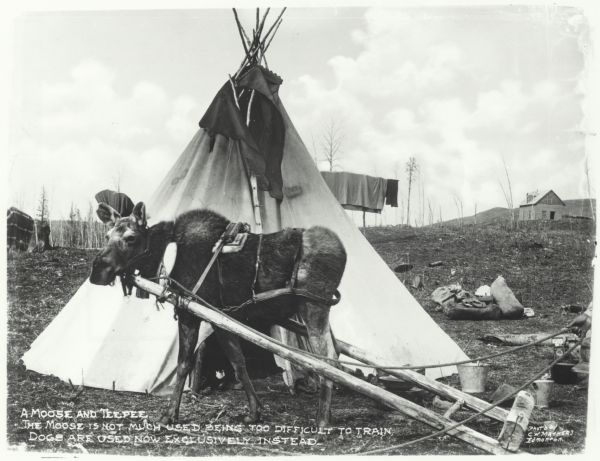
581 324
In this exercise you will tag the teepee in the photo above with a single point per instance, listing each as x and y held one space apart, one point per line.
248 163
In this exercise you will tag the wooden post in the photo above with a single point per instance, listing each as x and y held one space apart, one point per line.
417 379
404 406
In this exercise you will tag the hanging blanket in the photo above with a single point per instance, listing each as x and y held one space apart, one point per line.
391 193
357 191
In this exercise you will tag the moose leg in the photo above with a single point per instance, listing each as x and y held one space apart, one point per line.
188 336
232 348
197 373
316 318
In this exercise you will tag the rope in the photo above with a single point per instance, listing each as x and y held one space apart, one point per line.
375 365
435 434
459 362
232 319
479 413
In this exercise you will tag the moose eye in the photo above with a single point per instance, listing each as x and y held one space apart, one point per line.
130 238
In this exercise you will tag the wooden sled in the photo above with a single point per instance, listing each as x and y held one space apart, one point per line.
343 378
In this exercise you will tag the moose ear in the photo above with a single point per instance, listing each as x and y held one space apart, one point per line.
107 214
139 213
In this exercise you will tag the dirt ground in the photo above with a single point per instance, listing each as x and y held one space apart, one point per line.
546 267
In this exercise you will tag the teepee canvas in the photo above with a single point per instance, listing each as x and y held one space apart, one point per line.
105 340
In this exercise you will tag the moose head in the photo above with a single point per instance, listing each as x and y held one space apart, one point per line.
126 241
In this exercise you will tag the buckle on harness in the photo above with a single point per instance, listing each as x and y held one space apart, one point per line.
230 234
236 245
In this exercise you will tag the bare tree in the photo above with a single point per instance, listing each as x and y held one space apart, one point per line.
117 180
331 143
430 212
475 214
43 229
72 242
411 170
589 188
459 208
508 195
90 226
421 198
42 211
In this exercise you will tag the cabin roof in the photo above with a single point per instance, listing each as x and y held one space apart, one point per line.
536 196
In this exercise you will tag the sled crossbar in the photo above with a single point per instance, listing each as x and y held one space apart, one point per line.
419 380
406 407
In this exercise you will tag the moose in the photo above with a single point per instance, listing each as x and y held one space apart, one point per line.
312 260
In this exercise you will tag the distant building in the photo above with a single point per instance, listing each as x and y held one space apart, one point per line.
545 205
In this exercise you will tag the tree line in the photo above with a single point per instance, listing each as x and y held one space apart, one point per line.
78 231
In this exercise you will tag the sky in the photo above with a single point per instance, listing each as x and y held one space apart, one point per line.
110 99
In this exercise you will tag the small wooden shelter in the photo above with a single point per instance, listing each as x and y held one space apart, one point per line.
545 205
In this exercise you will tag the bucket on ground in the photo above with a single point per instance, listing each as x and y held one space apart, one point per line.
543 392
473 377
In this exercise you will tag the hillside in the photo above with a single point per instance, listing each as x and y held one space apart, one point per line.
497 215
581 207
494 215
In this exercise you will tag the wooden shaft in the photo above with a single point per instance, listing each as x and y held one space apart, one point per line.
417 379
404 406
426 383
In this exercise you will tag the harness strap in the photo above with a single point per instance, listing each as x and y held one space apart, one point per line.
272 294
297 259
266 295
208 267
227 236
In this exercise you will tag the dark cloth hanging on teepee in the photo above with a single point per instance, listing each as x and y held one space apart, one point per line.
262 142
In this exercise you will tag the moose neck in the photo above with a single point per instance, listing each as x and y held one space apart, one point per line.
159 236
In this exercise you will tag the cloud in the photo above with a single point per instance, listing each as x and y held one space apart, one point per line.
425 87
90 134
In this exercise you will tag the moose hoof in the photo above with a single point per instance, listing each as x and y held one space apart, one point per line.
323 424
324 421
252 419
166 419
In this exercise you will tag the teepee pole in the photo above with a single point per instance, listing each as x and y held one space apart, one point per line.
256 205
274 24
235 97
240 31
249 111
273 36
398 403
262 23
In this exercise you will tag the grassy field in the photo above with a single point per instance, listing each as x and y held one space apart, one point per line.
546 267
